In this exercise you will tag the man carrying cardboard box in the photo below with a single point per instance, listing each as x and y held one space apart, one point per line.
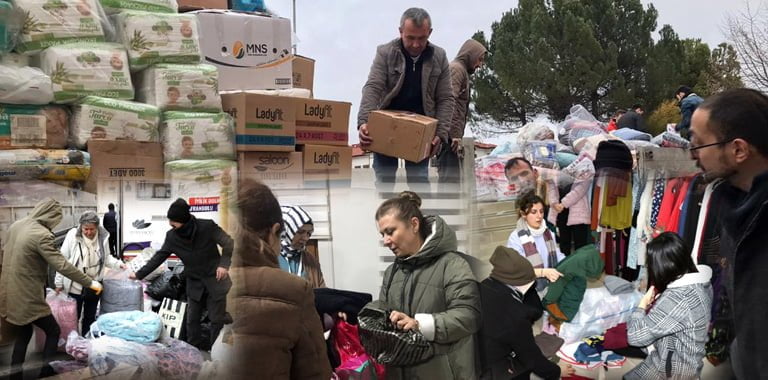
395 83
470 57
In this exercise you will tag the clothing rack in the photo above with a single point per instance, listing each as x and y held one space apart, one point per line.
670 162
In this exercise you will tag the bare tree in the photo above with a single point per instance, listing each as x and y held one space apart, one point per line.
747 30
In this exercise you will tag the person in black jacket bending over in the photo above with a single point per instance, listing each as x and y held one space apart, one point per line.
510 307
196 242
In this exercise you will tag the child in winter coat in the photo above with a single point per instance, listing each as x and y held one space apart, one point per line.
673 315
572 213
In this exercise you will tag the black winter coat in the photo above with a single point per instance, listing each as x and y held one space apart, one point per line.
200 255
743 246
506 328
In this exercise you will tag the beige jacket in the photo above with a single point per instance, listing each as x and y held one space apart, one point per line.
461 69
386 79
29 251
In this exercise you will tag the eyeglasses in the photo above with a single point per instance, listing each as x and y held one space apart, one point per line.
695 148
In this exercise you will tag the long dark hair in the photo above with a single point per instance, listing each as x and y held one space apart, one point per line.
258 211
668 258
407 205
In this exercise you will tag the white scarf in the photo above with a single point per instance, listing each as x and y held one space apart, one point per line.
535 232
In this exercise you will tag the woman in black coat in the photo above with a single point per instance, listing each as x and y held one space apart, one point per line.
510 307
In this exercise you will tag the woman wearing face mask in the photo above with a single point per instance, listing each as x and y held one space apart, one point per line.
277 333
430 288
510 306
294 257
533 240
85 247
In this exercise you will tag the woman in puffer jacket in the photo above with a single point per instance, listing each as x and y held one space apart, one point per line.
430 288
674 314
277 333
85 247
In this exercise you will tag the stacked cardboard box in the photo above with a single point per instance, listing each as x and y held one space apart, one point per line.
253 53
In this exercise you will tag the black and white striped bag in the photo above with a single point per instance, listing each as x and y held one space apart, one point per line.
388 345
172 313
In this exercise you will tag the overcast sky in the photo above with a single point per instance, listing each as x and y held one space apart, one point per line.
342 35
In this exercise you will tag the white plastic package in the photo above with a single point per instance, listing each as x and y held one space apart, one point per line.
180 87
159 6
112 119
85 69
152 38
50 23
195 135
24 85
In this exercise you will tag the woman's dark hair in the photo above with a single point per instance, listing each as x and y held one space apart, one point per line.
407 205
527 201
740 113
668 258
258 211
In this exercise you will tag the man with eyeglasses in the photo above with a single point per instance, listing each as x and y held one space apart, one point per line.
729 138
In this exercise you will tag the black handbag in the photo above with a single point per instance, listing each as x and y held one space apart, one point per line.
388 345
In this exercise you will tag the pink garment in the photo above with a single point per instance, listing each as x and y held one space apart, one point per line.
576 201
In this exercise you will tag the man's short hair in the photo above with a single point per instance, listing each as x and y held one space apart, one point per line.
517 161
740 113
111 206
637 106
684 89
417 15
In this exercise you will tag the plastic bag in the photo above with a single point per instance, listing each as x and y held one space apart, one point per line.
65 366
355 362
64 310
177 360
120 293
24 85
117 357
508 147
542 154
536 131
491 181
599 311
52 23
133 326
141 259
78 347
222 349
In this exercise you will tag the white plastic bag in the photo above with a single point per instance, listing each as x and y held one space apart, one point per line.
24 85
118 358
222 349
599 311
142 259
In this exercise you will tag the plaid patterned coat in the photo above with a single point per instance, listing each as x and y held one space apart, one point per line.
676 326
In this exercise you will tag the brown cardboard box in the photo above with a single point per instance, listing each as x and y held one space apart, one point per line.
128 160
303 72
322 122
278 170
193 5
327 163
263 123
401 134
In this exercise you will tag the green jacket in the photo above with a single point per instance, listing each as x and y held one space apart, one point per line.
29 251
437 281
568 291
